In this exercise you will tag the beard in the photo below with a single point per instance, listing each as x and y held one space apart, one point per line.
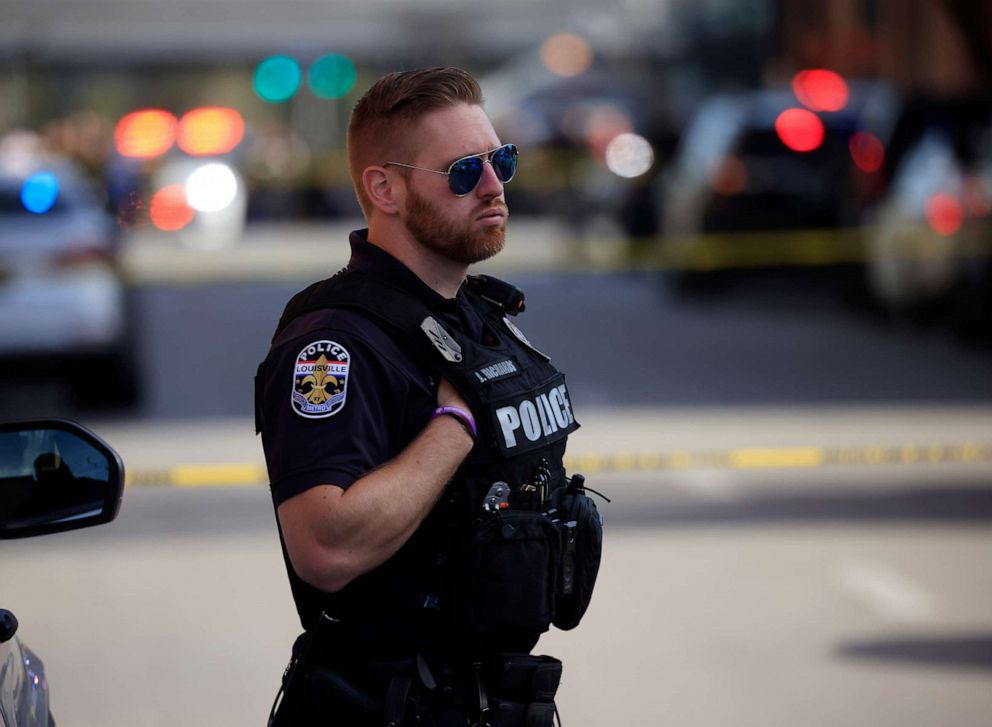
462 244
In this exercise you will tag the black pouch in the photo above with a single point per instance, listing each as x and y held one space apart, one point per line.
329 693
524 677
581 530
510 574
515 714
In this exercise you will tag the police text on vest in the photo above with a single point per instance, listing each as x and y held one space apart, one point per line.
541 416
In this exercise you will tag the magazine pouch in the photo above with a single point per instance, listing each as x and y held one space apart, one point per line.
511 571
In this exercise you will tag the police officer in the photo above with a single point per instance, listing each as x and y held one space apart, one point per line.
414 441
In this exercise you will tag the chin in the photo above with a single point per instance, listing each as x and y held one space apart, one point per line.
490 243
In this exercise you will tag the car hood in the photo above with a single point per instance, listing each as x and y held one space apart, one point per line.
23 687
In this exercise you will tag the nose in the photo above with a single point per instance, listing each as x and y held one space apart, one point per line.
489 184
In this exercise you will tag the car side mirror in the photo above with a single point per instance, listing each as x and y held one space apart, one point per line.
55 475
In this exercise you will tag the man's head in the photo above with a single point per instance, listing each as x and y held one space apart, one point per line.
408 127
383 124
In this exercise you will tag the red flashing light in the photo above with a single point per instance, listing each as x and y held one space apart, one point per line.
169 209
210 130
820 90
867 151
145 134
799 129
944 214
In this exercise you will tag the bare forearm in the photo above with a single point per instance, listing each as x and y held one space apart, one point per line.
381 510
357 529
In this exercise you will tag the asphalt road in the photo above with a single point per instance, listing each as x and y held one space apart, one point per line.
621 338
854 597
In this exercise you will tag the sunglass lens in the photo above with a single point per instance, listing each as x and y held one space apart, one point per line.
504 162
464 174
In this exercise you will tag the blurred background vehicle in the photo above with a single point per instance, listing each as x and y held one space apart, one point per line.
776 179
54 476
207 196
929 237
63 305
180 175
761 161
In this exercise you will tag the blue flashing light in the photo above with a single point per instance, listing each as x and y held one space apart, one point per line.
277 79
332 76
39 192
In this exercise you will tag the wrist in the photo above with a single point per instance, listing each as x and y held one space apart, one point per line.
463 417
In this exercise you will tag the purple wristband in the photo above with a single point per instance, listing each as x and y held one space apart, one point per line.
461 415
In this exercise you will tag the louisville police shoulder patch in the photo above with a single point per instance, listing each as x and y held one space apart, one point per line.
320 379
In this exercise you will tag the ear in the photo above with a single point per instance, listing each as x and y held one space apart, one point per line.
384 190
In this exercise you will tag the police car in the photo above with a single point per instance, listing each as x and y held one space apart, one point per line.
929 237
63 304
55 475
758 177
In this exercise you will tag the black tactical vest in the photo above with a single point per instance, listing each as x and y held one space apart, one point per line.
514 544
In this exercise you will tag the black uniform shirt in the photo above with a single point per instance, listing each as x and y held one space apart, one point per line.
387 396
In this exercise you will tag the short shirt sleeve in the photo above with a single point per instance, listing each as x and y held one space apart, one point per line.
334 403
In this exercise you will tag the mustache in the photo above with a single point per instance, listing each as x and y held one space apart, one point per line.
492 207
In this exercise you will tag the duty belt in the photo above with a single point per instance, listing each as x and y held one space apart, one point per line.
499 690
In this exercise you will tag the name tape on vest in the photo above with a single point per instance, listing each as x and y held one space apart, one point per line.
498 370
536 418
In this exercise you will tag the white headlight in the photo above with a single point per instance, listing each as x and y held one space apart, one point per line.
211 188
629 155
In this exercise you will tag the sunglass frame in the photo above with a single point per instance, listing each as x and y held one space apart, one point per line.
485 157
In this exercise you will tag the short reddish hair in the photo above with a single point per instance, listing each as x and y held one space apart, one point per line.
383 117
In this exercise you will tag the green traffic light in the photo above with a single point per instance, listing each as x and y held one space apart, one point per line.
332 76
277 79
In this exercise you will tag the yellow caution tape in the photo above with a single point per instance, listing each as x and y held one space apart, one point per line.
215 475
792 248
218 475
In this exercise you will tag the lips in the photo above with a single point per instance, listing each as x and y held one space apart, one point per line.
493 213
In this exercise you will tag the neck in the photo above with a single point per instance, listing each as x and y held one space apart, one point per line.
442 275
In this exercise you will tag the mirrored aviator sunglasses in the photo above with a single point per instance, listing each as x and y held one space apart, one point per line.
464 174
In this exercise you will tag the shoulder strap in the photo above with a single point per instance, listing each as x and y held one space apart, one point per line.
392 307
399 312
